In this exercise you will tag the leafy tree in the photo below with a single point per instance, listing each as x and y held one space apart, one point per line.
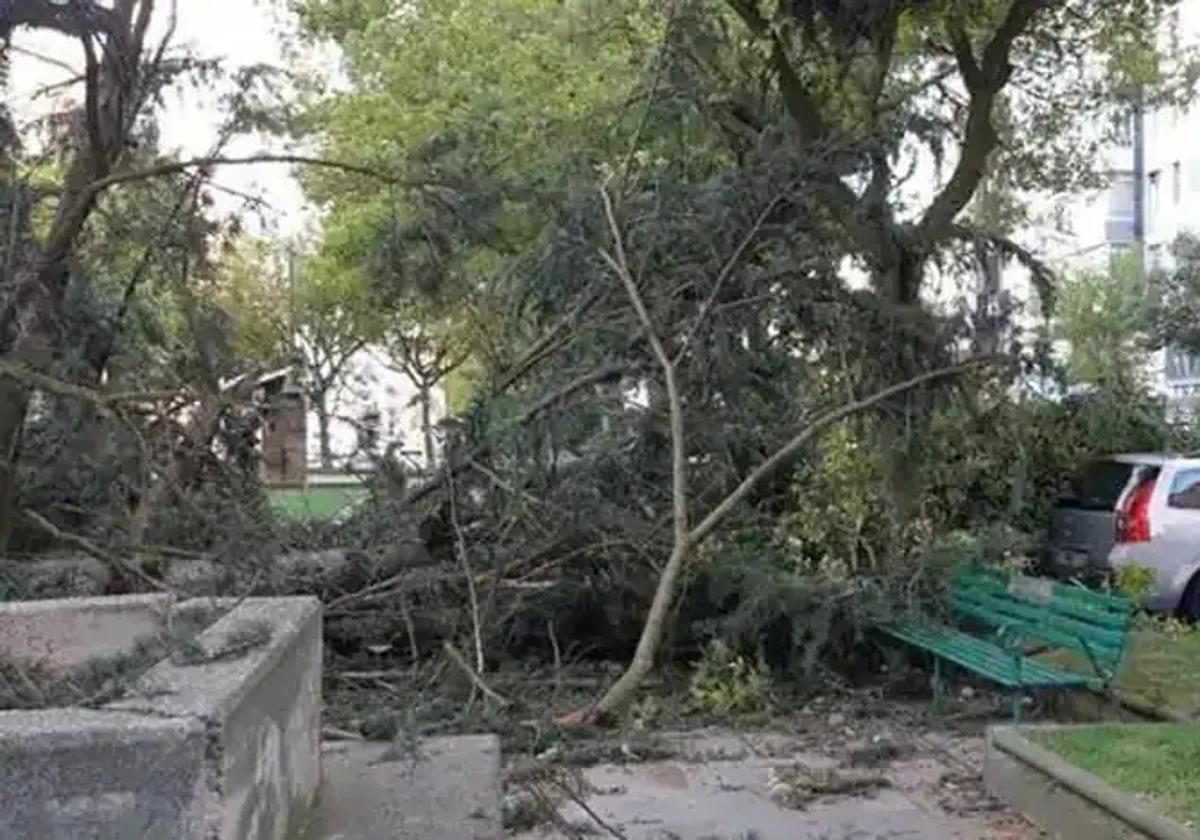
1101 316
1174 316
493 112
335 319
867 83
427 350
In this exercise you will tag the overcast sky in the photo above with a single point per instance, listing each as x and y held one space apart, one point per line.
239 32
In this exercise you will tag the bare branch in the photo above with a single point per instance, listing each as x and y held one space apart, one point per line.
763 470
620 265
457 659
115 562
175 167
31 378
730 265
48 59
664 592
460 545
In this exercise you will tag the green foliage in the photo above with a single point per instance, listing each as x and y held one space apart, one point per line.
1174 317
725 683
1134 581
512 83
1102 314
841 518
248 287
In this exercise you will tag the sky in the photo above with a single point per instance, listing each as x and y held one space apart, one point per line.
239 33
246 32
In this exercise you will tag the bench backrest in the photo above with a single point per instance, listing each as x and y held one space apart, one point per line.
1093 624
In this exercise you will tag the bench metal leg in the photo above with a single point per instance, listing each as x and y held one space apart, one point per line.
1016 706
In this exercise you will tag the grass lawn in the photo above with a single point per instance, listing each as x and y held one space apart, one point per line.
315 504
1155 762
1161 667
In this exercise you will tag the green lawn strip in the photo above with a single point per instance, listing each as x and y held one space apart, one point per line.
1161 668
1155 762
313 504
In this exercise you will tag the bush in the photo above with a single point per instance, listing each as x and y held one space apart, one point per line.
725 683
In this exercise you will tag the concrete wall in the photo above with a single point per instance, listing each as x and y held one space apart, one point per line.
70 774
261 712
227 748
271 748
63 634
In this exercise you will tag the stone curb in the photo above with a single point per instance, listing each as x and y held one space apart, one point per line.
1095 792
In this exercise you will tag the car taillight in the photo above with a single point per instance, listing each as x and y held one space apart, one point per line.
1133 521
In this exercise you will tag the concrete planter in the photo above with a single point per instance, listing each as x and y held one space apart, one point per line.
225 749
1069 803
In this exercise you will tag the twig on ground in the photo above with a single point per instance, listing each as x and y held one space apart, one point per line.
362 594
368 675
574 796
102 554
457 659
460 545
334 734
554 644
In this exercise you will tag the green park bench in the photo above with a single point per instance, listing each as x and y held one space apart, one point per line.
1001 621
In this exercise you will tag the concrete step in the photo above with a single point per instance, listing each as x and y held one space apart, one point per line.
444 789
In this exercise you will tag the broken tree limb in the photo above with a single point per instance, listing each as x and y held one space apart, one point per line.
685 540
457 659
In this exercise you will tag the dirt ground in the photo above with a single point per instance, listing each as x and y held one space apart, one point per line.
845 768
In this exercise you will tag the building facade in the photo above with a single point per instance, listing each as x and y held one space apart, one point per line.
1151 197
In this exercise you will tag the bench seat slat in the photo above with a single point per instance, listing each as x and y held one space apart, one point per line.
982 657
1111 612
1104 646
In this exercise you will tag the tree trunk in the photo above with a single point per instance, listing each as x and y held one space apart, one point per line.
898 282
648 644
427 423
321 405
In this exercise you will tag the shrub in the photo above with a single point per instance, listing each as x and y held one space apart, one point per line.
726 683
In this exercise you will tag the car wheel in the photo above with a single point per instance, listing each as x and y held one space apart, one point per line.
1189 604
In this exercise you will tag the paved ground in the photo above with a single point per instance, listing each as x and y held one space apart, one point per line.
442 789
777 787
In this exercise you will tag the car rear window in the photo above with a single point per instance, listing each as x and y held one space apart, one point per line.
1100 484
1185 490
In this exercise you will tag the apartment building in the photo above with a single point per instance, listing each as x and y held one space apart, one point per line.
1151 197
